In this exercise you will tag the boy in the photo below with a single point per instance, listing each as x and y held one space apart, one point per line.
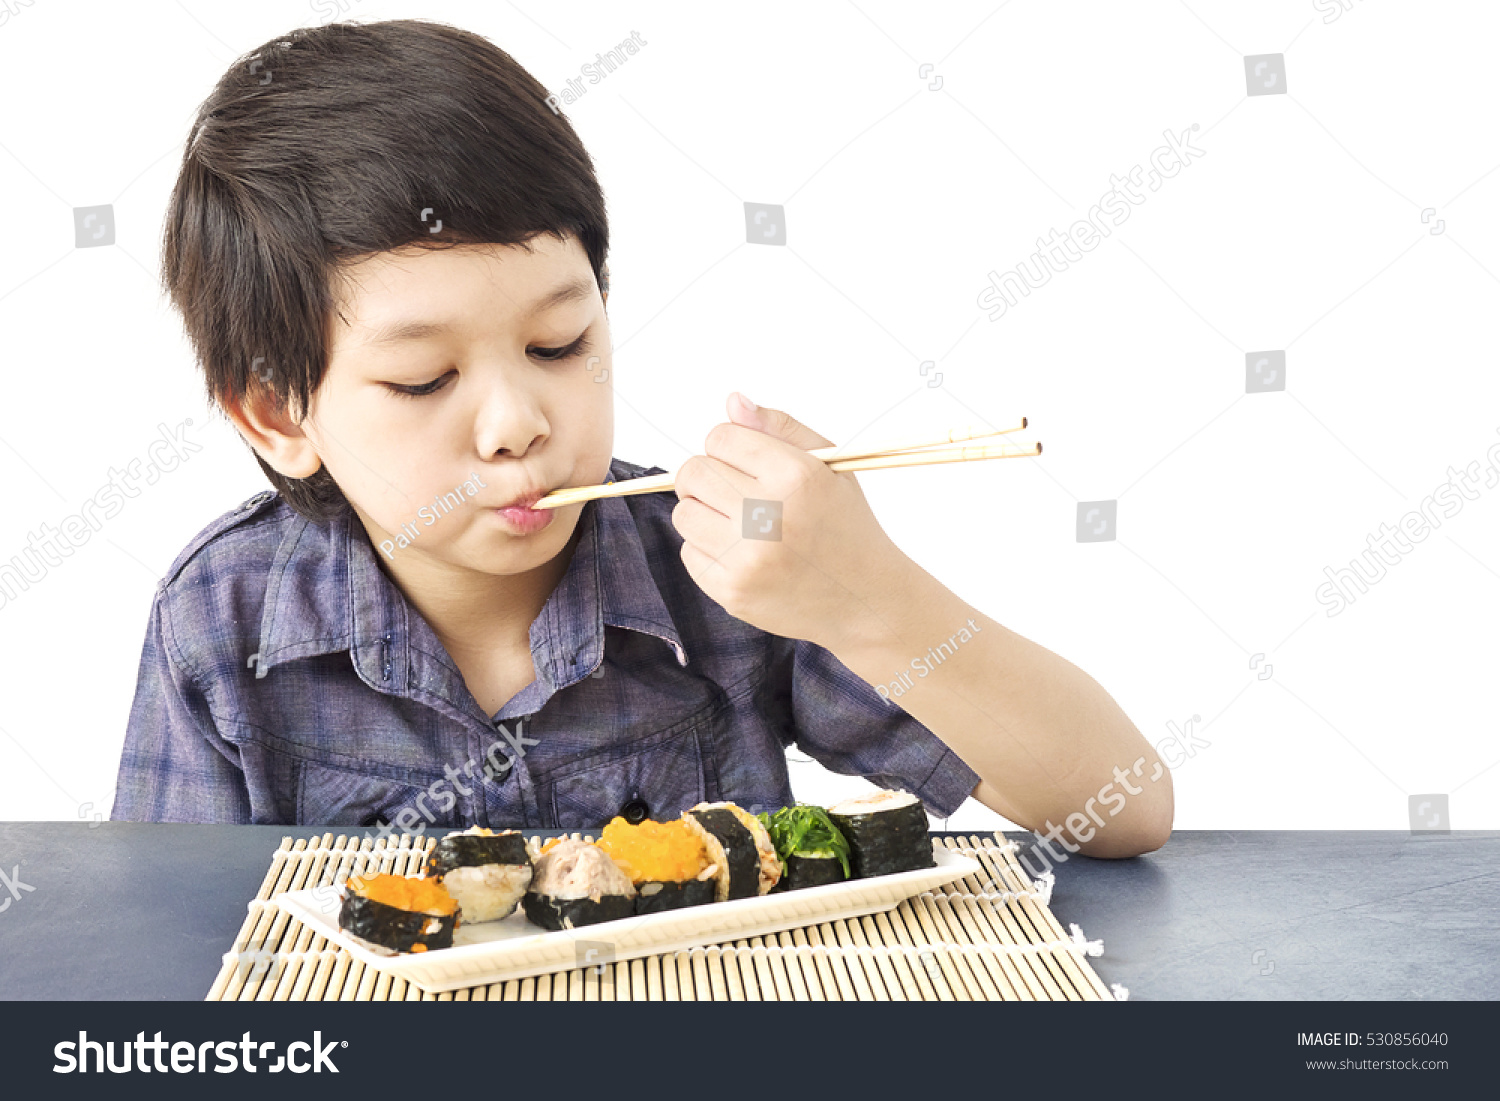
389 252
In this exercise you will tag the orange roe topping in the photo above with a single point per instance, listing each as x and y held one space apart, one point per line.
665 852
425 896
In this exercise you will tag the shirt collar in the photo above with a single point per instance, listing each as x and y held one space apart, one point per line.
326 592
608 583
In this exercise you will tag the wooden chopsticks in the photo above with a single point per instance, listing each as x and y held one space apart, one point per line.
913 452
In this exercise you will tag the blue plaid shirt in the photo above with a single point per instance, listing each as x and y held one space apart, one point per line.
285 679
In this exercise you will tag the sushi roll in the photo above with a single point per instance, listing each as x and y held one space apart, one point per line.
813 870
486 872
738 843
393 913
575 883
667 862
887 832
813 851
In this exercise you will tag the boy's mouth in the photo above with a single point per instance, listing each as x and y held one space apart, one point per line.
521 518
528 500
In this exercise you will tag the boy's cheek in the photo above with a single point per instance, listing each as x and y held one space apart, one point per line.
376 503
593 429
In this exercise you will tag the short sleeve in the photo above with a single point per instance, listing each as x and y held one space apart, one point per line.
843 724
175 766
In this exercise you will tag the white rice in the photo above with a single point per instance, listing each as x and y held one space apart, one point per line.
874 801
488 892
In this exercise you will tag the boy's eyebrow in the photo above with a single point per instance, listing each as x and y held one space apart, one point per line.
401 331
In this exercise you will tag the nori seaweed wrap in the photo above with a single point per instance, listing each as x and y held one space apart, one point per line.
668 863
394 913
554 913
887 832
476 847
739 844
486 872
812 849
813 870
658 896
576 883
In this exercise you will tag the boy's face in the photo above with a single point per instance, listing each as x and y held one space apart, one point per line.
499 383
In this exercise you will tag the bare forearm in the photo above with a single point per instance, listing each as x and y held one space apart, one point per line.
1045 738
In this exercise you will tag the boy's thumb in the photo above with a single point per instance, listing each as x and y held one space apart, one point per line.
773 422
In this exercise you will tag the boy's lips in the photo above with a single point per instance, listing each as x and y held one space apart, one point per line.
528 499
521 518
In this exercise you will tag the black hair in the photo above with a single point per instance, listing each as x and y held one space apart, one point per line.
332 143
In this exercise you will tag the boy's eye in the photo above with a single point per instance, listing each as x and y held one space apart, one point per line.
547 355
421 389
578 347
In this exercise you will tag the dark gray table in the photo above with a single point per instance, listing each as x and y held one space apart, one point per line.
126 911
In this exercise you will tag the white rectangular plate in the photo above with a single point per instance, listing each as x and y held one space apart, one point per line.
494 951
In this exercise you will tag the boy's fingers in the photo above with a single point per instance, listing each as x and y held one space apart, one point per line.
773 422
698 564
717 484
702 528
747 450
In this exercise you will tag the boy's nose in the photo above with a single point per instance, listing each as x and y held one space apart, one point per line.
515 446
509 422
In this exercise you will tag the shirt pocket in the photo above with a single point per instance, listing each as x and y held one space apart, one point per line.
662 776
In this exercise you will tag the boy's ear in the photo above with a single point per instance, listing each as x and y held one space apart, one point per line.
268 427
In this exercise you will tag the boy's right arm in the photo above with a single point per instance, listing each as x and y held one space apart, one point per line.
175 766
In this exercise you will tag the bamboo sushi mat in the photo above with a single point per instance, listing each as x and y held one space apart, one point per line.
988 937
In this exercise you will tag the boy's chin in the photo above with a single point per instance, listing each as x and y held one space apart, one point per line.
506 551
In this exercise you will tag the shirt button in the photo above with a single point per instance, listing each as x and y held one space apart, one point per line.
635 812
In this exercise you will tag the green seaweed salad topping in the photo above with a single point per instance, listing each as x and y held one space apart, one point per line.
805 829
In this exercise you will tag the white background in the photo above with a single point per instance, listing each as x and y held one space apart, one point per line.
1299 229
